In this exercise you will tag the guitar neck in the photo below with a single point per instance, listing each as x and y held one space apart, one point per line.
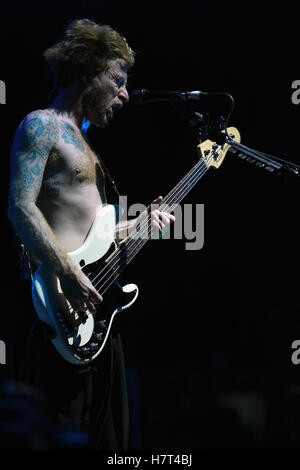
131 246
212 154
185 185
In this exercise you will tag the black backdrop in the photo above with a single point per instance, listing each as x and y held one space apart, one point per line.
208 342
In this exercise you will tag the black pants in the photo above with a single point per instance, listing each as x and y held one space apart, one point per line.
92 397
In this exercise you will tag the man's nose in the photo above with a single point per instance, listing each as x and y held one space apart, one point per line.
123 94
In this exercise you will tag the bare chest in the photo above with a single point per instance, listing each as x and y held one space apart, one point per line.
73 157
71 164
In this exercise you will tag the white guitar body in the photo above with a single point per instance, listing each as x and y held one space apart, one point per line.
79 340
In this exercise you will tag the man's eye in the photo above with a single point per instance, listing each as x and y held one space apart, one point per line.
120 82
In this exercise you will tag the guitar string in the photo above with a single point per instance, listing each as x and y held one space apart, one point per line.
179 192
122 264
122 261
194 175
132 240
145 224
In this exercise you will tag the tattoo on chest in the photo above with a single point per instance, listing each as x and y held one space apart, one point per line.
70 137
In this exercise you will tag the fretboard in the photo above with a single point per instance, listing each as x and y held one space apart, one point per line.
131 246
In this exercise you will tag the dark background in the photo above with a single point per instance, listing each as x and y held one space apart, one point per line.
208 342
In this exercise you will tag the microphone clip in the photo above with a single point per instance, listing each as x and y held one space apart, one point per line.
202 126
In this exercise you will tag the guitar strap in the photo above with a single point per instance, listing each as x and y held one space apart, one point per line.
112 194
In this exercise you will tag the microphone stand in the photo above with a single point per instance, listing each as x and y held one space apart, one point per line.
270 163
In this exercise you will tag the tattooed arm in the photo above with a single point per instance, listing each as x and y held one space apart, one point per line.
34 139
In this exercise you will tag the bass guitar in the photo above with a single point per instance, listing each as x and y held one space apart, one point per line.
81 336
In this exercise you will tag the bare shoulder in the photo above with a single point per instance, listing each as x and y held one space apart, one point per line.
39 117
38 128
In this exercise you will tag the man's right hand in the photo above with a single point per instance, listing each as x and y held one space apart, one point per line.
79 290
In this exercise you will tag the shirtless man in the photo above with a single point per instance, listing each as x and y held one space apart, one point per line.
55 190
54 194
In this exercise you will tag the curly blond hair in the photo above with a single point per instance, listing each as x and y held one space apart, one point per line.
86 49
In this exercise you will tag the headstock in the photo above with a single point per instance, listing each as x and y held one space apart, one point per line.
213 154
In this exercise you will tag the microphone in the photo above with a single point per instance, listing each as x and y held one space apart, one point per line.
144 96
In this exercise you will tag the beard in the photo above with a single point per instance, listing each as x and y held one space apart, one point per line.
96 108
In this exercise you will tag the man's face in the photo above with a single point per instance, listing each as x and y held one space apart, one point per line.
106 94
